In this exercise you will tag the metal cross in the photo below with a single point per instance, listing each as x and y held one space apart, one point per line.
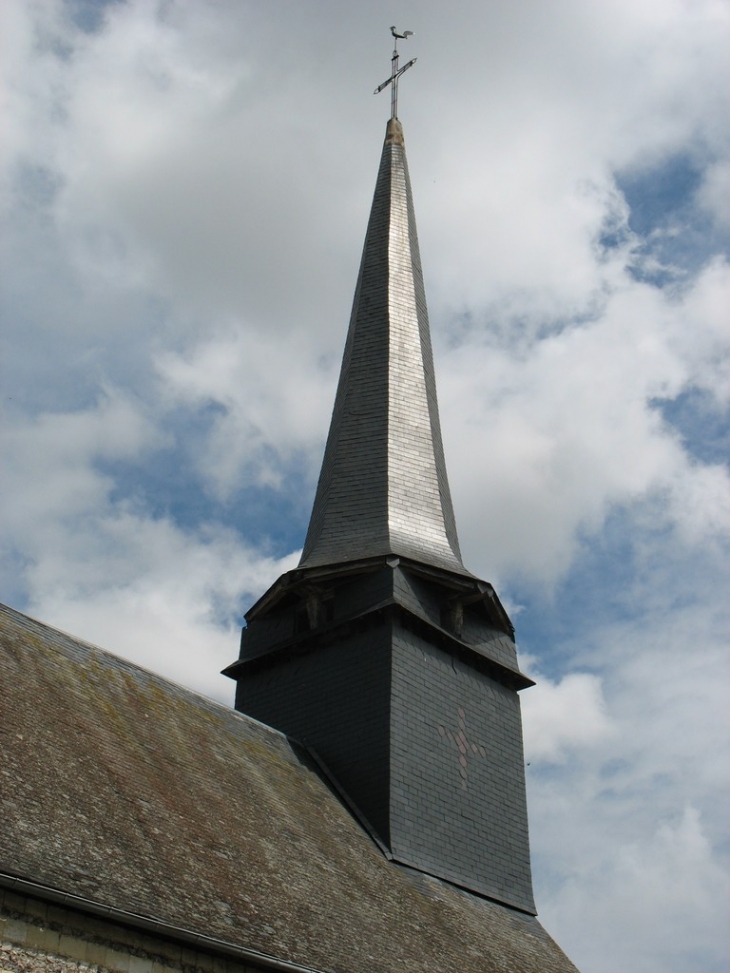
464 746
395 72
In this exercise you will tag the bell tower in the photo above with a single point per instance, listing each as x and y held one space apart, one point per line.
381 651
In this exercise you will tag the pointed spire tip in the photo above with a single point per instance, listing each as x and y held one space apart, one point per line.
394 132
383 489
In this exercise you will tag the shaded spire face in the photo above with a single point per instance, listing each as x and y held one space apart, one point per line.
383 487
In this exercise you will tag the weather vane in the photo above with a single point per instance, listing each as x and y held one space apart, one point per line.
395 72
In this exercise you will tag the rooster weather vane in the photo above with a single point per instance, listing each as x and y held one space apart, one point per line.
395 72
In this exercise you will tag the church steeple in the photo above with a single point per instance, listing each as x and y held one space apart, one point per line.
383 487
381 653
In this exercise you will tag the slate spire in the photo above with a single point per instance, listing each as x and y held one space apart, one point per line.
383 488
393 665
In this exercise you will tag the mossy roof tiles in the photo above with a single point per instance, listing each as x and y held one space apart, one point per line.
131 791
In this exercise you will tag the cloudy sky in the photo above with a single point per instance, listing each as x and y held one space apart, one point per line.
185 187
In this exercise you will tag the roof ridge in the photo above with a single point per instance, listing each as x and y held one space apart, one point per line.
124 663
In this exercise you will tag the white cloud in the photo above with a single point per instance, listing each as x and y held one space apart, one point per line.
560 717
666 897
569 430
634 811
185 193
702 339
50 459
715 193
167 599
260 425
103 567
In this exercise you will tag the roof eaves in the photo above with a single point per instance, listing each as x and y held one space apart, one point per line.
15 883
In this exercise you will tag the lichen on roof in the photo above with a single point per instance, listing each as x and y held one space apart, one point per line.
131 791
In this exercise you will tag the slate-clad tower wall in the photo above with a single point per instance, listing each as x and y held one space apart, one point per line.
457 807
381 652
336 700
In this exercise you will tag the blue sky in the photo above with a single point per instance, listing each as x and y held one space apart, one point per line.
185 189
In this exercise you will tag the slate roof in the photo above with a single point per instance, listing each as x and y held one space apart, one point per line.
123 788
383 488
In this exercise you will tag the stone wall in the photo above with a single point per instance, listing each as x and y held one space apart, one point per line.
39 937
